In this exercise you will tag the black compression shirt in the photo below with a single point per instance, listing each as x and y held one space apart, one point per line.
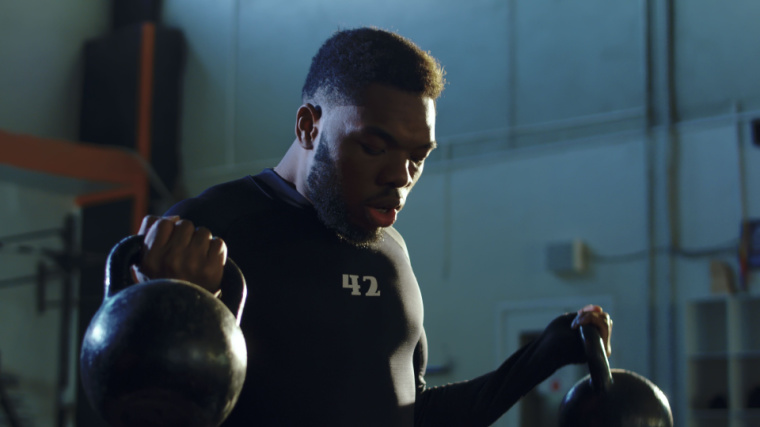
334 331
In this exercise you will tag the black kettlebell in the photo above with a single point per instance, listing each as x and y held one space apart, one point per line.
612 397
164 352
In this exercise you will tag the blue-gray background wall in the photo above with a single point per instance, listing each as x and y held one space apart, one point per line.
624 124
41 62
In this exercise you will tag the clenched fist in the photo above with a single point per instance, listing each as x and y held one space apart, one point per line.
176 249
594 315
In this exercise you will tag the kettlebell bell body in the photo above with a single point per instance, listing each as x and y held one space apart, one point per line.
612 397
164 352
630 401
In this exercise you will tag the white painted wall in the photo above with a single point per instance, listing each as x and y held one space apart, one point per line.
29 346
40 79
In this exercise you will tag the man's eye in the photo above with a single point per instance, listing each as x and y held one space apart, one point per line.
372 150
420 157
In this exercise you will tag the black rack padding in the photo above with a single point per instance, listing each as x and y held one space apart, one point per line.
128 12
110 94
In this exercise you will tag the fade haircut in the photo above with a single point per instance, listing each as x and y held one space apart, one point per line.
351 60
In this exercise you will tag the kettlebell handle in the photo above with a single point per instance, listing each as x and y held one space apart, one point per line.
596 357
127 252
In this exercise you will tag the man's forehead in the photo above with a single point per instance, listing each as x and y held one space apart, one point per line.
386 102
406 123
382 133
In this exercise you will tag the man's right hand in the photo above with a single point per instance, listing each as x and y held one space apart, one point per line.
176 249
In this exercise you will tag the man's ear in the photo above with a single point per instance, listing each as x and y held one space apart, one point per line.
307 125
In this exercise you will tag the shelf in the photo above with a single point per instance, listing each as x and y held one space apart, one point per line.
710 414
748 316
92 173
709 417
748 385
709 355
723 361
748 354
747 418
753 414
708 320
708 384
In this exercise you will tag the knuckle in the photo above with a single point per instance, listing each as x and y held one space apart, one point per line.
147 221
214 245
203 232
163 226
185 224
217 247
183 233
201 237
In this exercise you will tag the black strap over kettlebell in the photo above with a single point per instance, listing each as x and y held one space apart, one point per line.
127 253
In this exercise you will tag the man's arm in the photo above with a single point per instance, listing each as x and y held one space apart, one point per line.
481 401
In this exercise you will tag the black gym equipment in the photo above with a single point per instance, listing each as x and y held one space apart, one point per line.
612 397
164 352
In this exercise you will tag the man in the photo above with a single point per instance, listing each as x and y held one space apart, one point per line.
333 319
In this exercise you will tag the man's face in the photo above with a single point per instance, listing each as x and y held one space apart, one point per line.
367 160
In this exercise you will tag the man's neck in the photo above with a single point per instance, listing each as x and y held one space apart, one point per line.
294 168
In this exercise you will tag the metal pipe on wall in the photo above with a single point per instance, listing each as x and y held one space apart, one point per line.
660 102
673 194
651 178
232 90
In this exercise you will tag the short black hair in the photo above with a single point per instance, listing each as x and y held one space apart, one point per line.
351 60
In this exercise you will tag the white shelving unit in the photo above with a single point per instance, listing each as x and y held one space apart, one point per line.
723 357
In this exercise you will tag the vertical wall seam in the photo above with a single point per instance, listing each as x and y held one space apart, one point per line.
673 196
649 150
232 85
742 162
511 71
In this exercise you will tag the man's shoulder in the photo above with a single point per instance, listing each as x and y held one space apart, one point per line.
241 187
220 205
396 237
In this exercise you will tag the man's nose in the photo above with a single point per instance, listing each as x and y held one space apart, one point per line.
397 172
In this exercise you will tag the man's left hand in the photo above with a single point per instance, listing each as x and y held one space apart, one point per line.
594 315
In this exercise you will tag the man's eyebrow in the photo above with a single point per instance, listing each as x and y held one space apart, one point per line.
387 137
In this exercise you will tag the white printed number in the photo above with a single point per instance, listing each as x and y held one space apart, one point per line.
351 281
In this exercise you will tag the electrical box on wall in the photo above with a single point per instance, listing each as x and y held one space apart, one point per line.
567 257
